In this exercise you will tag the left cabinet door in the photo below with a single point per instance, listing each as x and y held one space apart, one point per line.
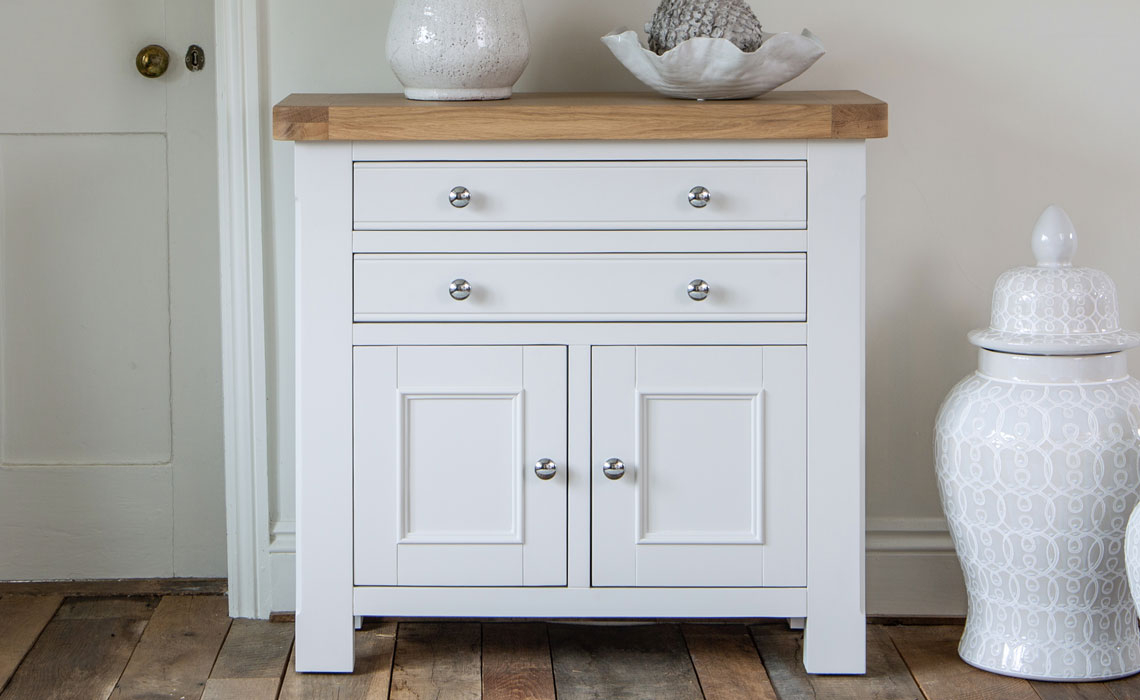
445 489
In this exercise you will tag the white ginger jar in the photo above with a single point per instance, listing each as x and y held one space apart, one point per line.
458 49
1132 555
1038 462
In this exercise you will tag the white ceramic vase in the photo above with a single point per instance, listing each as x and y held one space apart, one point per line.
458 49
1038 462
1132 555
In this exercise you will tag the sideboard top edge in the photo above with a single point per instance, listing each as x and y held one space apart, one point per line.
598 116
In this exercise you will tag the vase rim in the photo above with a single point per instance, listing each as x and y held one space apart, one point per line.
1052 369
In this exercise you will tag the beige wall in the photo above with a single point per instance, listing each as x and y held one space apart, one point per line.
998 108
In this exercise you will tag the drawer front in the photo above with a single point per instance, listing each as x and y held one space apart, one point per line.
571 195
629 287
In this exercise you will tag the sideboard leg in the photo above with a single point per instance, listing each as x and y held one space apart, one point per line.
324 408
325 645
835 633
836 645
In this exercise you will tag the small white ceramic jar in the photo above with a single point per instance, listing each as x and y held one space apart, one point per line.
458 49
1038 462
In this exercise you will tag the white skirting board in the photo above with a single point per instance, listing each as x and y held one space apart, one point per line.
911 568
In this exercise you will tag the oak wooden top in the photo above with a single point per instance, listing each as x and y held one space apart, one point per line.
828 114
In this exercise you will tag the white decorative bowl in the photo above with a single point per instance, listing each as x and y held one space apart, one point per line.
704 68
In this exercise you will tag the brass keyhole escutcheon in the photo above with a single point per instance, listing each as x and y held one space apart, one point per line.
195 58
152 61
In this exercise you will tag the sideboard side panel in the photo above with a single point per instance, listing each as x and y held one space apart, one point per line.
835 633
324 406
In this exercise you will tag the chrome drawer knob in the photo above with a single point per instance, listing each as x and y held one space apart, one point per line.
613 468
699 197
459 197
698 290
545 469
459 289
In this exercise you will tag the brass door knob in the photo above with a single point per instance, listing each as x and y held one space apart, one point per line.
152 61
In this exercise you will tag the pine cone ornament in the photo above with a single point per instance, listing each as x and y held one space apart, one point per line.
678 20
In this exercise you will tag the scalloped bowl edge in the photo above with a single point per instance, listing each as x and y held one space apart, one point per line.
716 69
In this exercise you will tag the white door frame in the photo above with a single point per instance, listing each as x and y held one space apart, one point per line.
237 57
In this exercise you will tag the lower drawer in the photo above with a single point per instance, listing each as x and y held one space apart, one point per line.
561 287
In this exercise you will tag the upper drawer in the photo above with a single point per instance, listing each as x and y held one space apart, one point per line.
573 195
614 287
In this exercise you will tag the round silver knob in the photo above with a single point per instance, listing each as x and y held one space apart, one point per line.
698 290
699 197
459 289
545 469
460 197
613 468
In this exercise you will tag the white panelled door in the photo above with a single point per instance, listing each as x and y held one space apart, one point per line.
707 486
110 394
446 440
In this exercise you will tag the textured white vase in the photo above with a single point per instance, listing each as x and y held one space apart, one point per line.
1132 556
1038 463
458 49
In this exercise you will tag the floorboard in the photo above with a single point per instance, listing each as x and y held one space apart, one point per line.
887 676
22 618
931 653
727 664
81 653
176 652
118 587
1071 691
251 662
516 662
599 662
147 647
1125 688
371 676
437 661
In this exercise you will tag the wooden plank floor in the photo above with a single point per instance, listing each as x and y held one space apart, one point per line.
95 648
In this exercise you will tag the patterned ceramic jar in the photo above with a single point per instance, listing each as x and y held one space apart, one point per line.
1038 461
458 49
1132 555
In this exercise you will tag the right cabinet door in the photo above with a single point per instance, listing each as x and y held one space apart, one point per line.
698 476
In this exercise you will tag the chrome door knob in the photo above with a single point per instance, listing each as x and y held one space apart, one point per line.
545 469
699 197
459 197
459 289
613 468
698 290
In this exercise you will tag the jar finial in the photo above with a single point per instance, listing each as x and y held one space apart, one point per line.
1054 238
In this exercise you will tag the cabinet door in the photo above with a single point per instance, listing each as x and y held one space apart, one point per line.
713 443
445 445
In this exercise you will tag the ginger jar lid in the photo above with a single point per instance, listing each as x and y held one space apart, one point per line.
1054 308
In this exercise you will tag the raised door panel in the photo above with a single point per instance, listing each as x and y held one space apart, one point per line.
84 301
713 442
445 441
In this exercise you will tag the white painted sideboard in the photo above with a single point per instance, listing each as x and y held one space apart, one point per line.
555 362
